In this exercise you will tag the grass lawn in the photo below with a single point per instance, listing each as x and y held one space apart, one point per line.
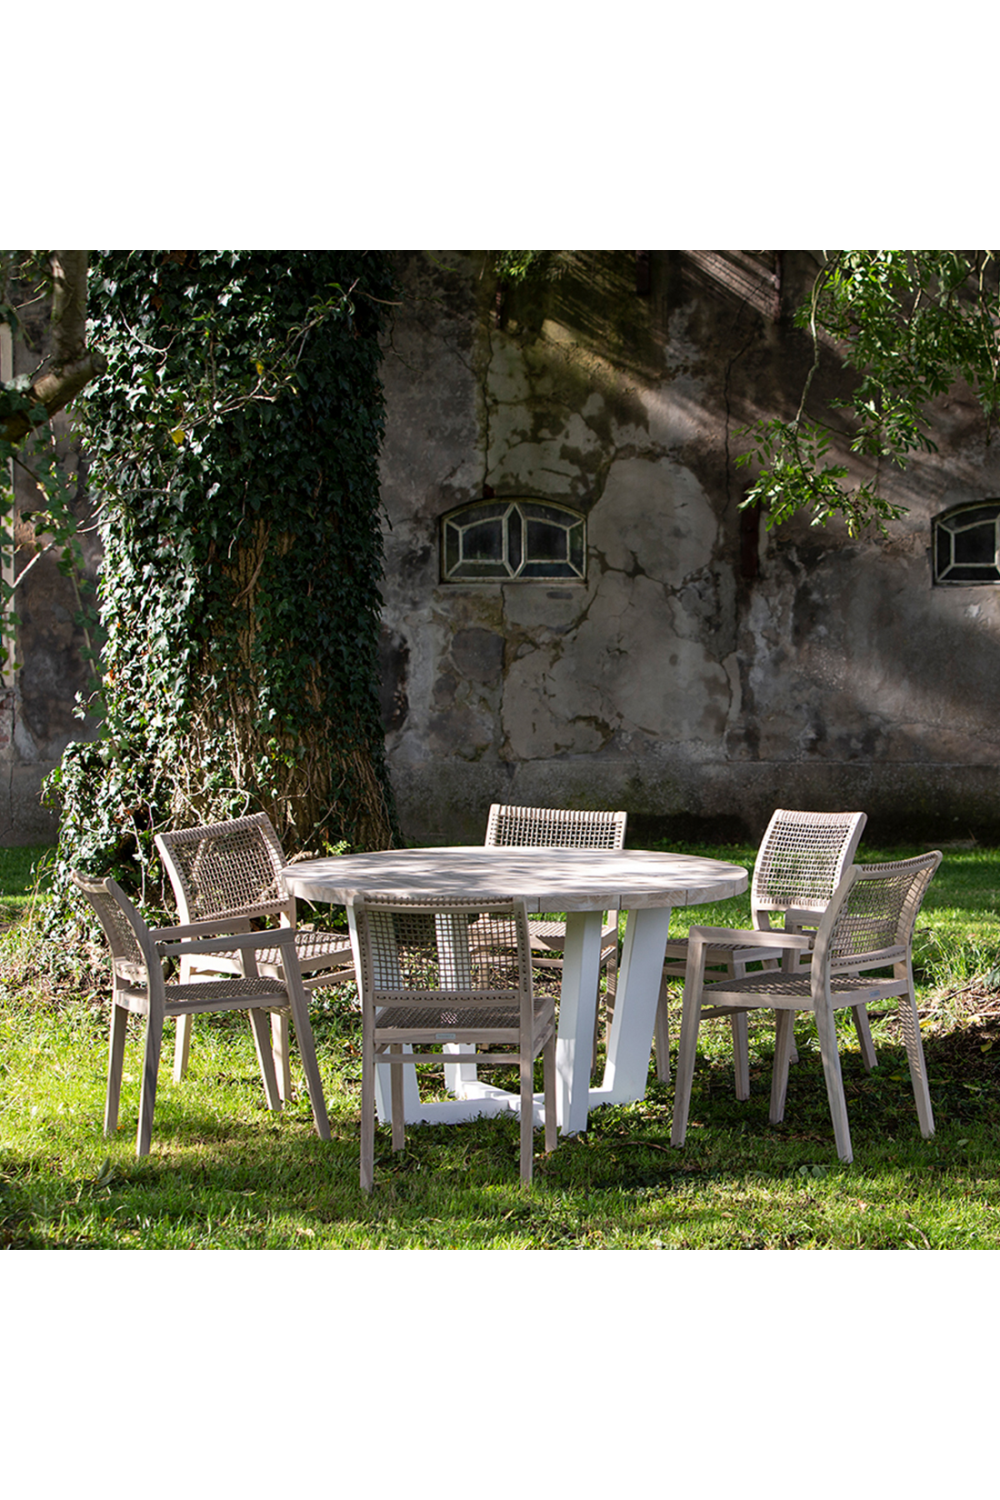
226 1174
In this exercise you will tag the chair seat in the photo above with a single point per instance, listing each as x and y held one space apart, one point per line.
679 950
319 947
459 1023
553 934
218 994
767 990
316 951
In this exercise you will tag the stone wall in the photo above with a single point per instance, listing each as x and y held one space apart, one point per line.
706 670
37 721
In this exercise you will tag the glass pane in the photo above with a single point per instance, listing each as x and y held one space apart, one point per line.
483 542
471 515
548 570
977 515
481 570
576 548
976 544
452 548
552 514
545 541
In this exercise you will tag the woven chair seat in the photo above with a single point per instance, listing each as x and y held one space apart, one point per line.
679 950
420 1021
311 948
218 991
553 934
769 988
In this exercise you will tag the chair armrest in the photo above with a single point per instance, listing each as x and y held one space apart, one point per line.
800 916
753 937
202 929
175 940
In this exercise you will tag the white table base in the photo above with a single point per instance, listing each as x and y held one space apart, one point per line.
629 1045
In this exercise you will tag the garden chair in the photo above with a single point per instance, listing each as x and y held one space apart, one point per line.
233 870
867 927
800 863
559 828
137 956
438 971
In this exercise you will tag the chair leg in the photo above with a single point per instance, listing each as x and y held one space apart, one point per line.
661 1033
182 1047
367 1113
829 1052
611 985
150 1069
687 1052
307 1052
784 1046
527 1116
741 1053
282 1055
265 1058
116 1058
398 1107
915 1055
865 1042
549 1077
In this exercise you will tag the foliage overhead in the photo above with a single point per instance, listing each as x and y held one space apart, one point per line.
907 324
234 441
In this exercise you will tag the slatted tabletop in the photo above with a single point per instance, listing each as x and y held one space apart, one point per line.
546 879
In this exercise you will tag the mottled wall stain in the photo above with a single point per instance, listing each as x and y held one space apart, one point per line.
676 681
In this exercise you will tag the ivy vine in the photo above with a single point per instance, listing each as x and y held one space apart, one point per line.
234 442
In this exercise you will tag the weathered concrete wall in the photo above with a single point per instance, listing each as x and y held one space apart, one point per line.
706 671
36 709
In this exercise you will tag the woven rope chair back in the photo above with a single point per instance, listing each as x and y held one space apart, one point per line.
803 858
880 910
476 953
226 869
554 828
123 927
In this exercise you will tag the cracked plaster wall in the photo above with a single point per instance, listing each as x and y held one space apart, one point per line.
37 719
672 682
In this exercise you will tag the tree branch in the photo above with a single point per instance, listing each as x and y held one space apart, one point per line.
72 366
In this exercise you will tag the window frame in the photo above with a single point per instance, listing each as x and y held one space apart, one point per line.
514 561
947 524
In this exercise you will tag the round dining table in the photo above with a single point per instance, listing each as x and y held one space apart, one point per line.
583 883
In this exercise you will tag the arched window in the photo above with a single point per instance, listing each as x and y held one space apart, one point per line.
512 541
967 544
